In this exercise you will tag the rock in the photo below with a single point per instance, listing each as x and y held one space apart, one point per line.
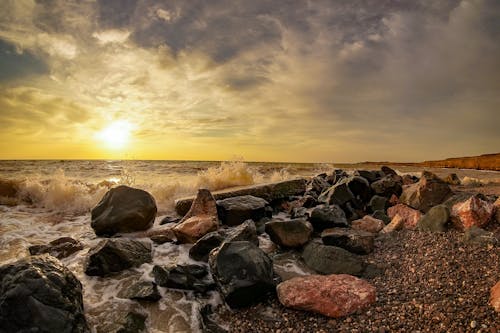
381 215
435 220
39 294
243 273
369 224
209 325
269 192
388 171
123 209
393 200
289 264
234 211
496 205
326 259
331 295
170 219
428 192
300 212
201 249
161 235
354 189
480 236
371 176
141 291
495 297
378 202
289 234
328 216
409 215
188 277
310 201
408 180
201 219
388 186
115 255
452 179
472 212
59 248
397 223
319 184
246 231
355 241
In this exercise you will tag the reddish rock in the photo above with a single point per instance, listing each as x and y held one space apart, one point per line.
427 193
201 219
472 212
409 215
408 180
334 295
495 297
497 210
368 223
393 200
397 223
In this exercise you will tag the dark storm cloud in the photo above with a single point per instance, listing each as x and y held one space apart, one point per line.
115 14
15 65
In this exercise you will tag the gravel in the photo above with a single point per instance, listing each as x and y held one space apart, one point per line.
431 282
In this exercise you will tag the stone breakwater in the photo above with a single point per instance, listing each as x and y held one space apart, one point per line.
370 250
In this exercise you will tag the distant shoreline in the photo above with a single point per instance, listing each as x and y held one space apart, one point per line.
482 162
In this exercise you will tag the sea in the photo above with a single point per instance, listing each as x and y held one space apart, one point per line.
55 198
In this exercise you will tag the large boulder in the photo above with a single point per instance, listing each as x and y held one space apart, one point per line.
330 295
355 241
123 209
326 259
409 215
201 219
388 186
243 273
115 255
201 249
328 216
369 175
39 294
319 184
289 234
236 210
435 220
428 192
269 192
369 224
247 231
354 189
378 202
59 248
495 297
471 212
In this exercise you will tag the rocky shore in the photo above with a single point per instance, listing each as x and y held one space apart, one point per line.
367 251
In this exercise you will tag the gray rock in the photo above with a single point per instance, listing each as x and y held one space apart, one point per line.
326 259
123 209
243 273
247 231
371 176
201 249
387 186
354 189
329 216
435 220
141 291
378 202
39 294
269 192
381 215
428 192
355 241
59 248
115 255
319 184
293 233
188 277
234 211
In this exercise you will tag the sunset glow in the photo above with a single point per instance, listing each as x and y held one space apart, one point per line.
116 135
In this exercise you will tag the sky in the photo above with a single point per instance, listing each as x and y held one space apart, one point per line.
299 81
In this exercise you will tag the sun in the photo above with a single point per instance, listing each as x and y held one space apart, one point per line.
116 135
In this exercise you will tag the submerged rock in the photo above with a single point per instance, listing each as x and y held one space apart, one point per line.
269 192
293 233
472 212
428 192
115 255
39 294
326 259
189 277
331 295
141 291
59 248
243 273
435 220
123 209
355 241
328 216
236 210
201 219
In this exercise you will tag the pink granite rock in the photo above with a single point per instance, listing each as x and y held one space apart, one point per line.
335 295
368 223
495 297
471 212
397 223
409 215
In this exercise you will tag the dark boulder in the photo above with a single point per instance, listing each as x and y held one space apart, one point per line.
388 171
289 234
428 192
243 273
141 291
354 189
123 209
355 241
39 294
381 215
371 176
115 255
187 277
378 202
235 210
326 259
319 184
387 186
247 231
328 216
59 248
201 249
